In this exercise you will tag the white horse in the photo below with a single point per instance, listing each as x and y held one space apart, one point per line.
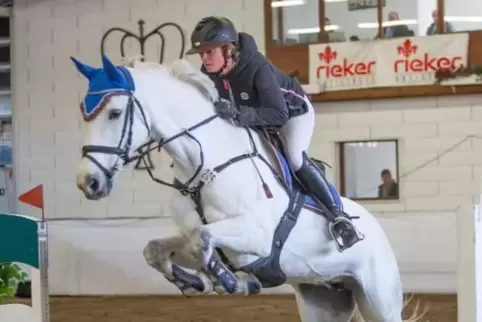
237 199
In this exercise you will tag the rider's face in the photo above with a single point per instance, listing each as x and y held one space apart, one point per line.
212 59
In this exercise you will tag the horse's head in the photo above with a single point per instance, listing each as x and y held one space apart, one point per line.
116 126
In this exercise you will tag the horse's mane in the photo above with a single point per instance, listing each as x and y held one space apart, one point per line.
181 69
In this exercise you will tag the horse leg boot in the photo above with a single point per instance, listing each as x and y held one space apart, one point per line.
312 179
160 255
241 234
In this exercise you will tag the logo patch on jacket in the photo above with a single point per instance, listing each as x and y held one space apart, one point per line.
244 96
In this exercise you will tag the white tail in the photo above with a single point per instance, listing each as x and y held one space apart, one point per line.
415 317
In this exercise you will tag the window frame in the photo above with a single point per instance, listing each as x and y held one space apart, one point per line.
292 59
341 176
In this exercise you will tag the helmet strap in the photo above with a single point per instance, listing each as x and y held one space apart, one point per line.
226 56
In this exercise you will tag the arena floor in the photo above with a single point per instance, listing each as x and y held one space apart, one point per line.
443 308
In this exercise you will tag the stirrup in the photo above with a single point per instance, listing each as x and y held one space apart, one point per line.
332 225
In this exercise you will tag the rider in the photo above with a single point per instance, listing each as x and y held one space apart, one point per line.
255 93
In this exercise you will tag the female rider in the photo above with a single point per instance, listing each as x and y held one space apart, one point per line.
255 93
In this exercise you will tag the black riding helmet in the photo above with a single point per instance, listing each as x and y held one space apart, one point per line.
212 32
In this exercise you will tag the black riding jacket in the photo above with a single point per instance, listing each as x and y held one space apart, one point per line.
263 94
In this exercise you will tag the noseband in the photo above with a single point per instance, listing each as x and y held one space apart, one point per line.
122 150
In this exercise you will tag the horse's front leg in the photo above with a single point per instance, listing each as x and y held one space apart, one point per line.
168 256
241 234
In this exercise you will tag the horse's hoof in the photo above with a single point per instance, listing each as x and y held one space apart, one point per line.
190 292
219 289
248 284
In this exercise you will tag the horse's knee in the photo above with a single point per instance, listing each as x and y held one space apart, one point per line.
153 252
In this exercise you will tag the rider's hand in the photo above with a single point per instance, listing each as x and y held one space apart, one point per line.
225 109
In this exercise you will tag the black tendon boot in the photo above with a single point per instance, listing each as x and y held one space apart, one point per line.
340 225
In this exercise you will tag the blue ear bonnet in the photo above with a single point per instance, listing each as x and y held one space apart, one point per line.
103 83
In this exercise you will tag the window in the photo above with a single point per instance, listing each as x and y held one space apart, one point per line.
462 15
4 54
295 21
299 21
403 18
369 169
351 20
4 27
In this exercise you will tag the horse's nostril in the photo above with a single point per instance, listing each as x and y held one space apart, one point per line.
93 183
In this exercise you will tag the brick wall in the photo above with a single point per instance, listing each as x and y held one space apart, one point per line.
425 127
48 89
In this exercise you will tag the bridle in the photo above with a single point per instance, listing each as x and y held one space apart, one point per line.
122 150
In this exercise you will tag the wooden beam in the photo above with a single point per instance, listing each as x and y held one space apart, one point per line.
441 16
380 18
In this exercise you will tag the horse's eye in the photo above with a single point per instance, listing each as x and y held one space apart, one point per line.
114 114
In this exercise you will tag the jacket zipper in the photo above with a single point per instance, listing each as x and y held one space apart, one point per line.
230 91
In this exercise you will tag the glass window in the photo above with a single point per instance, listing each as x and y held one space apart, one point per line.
4 78
369 170
401 18
4 27
348 20
295 21
4 54
462 16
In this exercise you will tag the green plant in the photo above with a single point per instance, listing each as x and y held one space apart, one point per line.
10 276
444 74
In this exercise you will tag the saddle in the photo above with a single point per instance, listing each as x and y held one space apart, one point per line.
274 143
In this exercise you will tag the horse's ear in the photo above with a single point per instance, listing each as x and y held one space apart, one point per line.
111 70
84 69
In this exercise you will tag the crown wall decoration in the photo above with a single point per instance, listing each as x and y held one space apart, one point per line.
142 38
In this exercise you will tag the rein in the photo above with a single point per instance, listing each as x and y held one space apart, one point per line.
194 192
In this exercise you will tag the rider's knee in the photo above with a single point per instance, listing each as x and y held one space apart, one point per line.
320 165
295 158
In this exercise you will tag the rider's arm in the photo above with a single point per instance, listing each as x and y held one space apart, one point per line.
274 110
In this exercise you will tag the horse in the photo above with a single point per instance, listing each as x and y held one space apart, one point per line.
244 222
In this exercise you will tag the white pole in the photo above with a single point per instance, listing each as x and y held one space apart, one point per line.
469 259
478 264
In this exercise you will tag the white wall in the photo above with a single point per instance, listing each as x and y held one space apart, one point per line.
48 130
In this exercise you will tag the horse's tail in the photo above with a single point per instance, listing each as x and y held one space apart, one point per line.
416 315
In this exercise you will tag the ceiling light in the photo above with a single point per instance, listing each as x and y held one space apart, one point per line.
314 30
369 25
287 3
463 19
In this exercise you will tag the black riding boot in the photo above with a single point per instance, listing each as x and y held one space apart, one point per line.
314 182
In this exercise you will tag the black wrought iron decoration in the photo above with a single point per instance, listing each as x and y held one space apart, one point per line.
142 38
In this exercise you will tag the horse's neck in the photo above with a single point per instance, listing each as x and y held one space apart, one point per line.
176 106
172 104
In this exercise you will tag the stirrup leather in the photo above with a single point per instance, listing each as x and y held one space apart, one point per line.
332 225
